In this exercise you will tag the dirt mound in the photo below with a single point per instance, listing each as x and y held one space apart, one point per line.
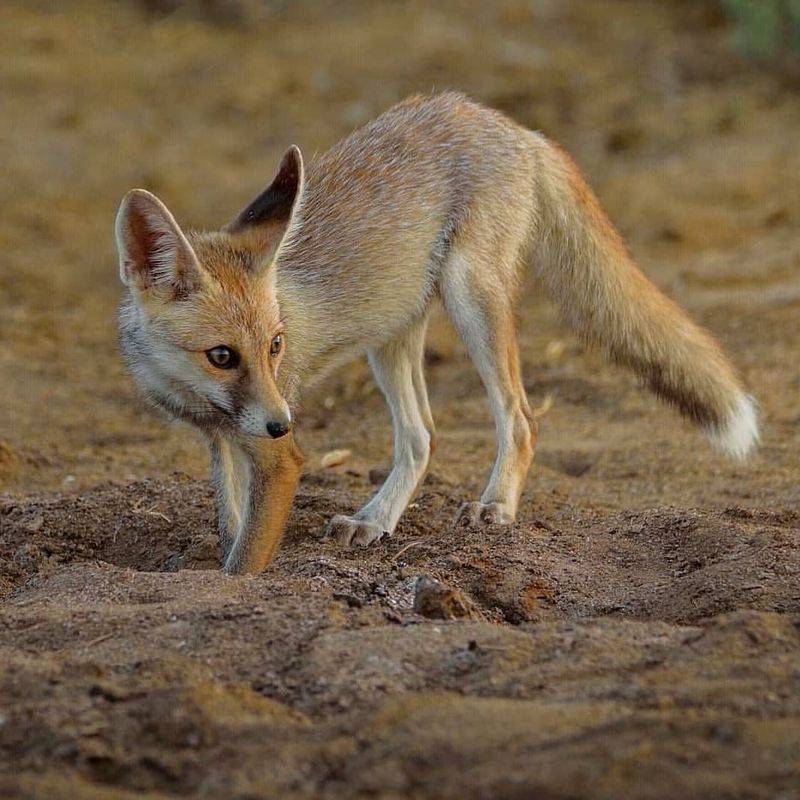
665 564
328 676
123 526
319 680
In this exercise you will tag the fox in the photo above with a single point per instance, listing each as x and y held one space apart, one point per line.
438 202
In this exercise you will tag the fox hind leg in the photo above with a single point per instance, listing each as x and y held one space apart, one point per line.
481 308
397 367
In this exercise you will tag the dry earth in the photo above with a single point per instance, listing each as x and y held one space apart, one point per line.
635 634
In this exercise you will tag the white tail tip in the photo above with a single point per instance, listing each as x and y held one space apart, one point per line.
739 435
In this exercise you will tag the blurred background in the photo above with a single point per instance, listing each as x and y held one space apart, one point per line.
684 116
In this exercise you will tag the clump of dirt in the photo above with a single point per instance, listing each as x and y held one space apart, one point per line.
635 634
666 564
144 525
469 661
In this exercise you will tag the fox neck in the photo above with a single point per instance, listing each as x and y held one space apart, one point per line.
316 341
299 367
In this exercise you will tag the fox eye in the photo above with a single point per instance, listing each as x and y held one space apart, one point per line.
222 357
276 345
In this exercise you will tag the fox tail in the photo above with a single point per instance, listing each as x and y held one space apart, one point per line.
586 268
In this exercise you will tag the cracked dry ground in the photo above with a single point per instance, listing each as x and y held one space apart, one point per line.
635 634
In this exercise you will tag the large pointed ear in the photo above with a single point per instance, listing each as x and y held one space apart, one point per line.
267 219
153 251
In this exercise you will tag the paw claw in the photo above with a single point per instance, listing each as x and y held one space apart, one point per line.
479 515
350 532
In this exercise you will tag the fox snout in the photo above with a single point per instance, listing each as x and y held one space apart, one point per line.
259 420
274 428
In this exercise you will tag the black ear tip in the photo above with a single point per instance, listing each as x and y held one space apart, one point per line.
276 202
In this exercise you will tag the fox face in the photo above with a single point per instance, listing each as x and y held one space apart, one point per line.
200 325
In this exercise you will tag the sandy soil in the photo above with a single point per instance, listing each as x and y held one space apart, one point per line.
635 634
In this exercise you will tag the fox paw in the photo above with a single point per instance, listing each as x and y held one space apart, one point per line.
350 532
479 515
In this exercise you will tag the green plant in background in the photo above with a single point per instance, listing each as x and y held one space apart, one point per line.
765 28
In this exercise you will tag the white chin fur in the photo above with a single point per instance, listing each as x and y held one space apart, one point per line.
739 435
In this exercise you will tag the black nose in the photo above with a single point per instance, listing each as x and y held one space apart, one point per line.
278 429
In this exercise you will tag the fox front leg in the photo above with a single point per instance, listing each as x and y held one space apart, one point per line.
256 480
397 367
229 475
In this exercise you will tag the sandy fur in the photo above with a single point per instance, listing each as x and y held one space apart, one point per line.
438 198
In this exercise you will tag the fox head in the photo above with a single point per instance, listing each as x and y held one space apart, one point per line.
200 327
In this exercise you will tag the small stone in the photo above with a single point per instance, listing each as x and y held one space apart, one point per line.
174 562
437 601
335 458
35 525
377 476
26 557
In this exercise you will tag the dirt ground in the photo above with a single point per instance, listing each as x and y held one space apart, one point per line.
636 634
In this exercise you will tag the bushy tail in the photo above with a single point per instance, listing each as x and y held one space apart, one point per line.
584 264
